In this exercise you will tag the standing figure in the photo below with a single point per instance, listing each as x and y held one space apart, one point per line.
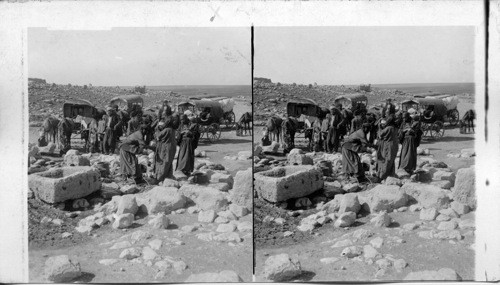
101 130
165 150
334 131
409 137
289 127
387 149
93 135
112 132
317 134
355 143
325 126
134 123
64 129
129 148
188 142
357 122
389 108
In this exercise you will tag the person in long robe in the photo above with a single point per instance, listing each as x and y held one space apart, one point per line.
129 148
325 126
289 126
357 122
409 137
112 132
188 142
355 143
387 149
334 131
317 134
165 150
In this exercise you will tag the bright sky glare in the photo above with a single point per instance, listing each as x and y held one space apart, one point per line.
141 56
355 55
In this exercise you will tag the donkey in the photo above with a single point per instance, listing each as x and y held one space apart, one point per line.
244 124
273 127
48 131
467 122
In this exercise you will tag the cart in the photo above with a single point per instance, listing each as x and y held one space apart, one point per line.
80 112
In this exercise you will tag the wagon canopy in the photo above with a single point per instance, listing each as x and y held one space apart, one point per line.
302 106
355 101
215 107
127 100
439 106
79 107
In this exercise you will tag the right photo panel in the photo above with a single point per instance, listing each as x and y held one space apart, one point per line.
364 153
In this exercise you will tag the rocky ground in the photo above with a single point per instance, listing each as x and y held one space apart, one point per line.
187 229
417 227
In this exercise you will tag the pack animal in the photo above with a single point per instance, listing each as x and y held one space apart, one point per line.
243 124
273 126
48 131
467 122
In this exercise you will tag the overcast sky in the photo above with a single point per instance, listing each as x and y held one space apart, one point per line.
141 56
355 55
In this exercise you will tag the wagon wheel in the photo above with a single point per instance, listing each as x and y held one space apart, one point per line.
230 120
454 117
213 132
437 130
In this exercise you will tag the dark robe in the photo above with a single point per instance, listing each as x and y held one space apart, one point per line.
351 163
132 145
112 133
410 140
188 142
133 125
317 135
165 153
356 124
387 152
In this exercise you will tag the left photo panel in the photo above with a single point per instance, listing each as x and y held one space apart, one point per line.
140 149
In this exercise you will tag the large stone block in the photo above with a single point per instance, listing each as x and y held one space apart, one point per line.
242 193
465 188
429 196
283 183
160 200
383 198
206 198
61 184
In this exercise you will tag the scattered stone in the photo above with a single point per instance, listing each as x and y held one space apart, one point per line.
61 269
123 221
349 203
330 189
206 216
160 221
130 253
148 253
464 190
467 224
400 264
242 193
393 181
281 268
415 208
381 220
108 262
179 266
66 235
189 228
428 196
442 218
303 203
428 214
383 263
287 233
449 212
369 252
193 210
226 228
377 242
351 252
362 234
127 204
140 235
443 184
129 189
227 237
383 198
460 208
155 244
448 234
245 226
345 220
160 200
299 159
351 187
410 226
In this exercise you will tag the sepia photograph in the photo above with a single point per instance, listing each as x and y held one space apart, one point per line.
366 162
139 154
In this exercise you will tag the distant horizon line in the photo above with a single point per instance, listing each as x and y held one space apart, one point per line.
354 84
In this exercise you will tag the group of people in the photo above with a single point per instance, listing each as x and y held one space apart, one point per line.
162 134
387 134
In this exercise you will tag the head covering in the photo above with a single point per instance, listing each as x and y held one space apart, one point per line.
388 99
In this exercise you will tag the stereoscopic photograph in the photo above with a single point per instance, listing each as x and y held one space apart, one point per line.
364 138
140 147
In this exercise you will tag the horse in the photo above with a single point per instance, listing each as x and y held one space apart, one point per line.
49 127
467 122
244 124
273 127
